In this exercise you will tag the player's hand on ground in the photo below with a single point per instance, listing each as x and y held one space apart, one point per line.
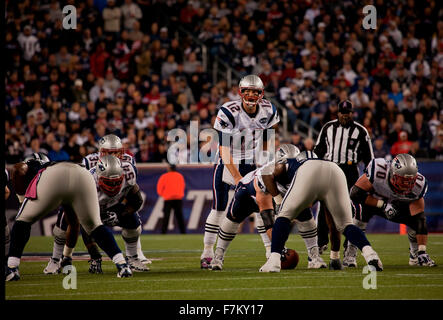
111 219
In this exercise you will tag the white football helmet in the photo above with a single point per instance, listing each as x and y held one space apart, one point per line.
403 173
306 155
110 174
111 145
37 156
286 151
251 82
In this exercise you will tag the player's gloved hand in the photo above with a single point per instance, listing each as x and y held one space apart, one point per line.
111 219
390 211
425 260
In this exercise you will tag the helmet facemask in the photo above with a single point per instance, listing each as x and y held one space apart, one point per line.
251 96
112 152
111 186
403 184
110 175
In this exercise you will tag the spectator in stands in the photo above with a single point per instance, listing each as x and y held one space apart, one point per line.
402 145
57 153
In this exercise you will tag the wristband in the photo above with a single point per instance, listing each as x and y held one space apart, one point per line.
380 203
278 199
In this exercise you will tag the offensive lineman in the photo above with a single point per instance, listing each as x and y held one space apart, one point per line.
393 190
44 186
237 118
249 198
108 145
311 180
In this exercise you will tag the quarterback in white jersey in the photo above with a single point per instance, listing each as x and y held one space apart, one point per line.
246 122
394 190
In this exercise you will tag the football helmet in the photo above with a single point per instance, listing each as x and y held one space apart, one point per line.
286 151
111 145
110 175
37 156
306 155
251 82
403 173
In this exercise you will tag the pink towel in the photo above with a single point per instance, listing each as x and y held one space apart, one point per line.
31 191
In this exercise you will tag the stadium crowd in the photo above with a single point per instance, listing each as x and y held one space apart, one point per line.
125 70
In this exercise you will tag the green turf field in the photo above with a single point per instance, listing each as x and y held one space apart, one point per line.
175 274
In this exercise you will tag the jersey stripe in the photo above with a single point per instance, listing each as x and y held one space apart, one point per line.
229 115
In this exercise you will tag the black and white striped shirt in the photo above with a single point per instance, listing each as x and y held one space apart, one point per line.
344 145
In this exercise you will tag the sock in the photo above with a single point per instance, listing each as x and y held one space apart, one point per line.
412 237
20 234
280 233
334 255
118 258
211 231
226 233
356 236
261 230
130 237
13 262
105 240
308 231
67 252
139 248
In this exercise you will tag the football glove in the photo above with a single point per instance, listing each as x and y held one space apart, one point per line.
111 219
425 260
95 266
390 211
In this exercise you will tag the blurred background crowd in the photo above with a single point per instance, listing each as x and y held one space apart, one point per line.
136 68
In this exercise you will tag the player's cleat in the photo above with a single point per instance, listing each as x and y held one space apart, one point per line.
66 265
95 265
372 258
205 263
413 258
136 264
273 264
424 260
335 264
124 271
142 258
216 263
314 259
53 266
12 274
322 249
316 263
350 256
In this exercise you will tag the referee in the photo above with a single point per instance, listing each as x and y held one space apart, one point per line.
346 143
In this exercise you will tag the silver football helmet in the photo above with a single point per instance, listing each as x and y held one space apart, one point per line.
111 145
110 174
251 82
286 151
403 173
306 155
37 156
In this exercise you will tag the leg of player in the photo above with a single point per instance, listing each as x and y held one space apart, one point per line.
71 240
351 251
226 233
322 230
413 247
95 261
140 254
308 231
334 255
259 224
130 237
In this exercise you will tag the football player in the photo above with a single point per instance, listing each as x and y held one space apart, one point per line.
108 145
311 180
237 120
249 198
393 190
42 187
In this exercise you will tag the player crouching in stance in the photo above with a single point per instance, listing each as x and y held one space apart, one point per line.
312 180
72 186
393 190
249 198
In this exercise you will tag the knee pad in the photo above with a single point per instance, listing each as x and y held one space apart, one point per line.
131 235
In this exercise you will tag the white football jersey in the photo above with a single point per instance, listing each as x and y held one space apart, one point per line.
234 120
378 174
90 161
129 180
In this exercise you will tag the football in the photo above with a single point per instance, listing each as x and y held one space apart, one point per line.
289 259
